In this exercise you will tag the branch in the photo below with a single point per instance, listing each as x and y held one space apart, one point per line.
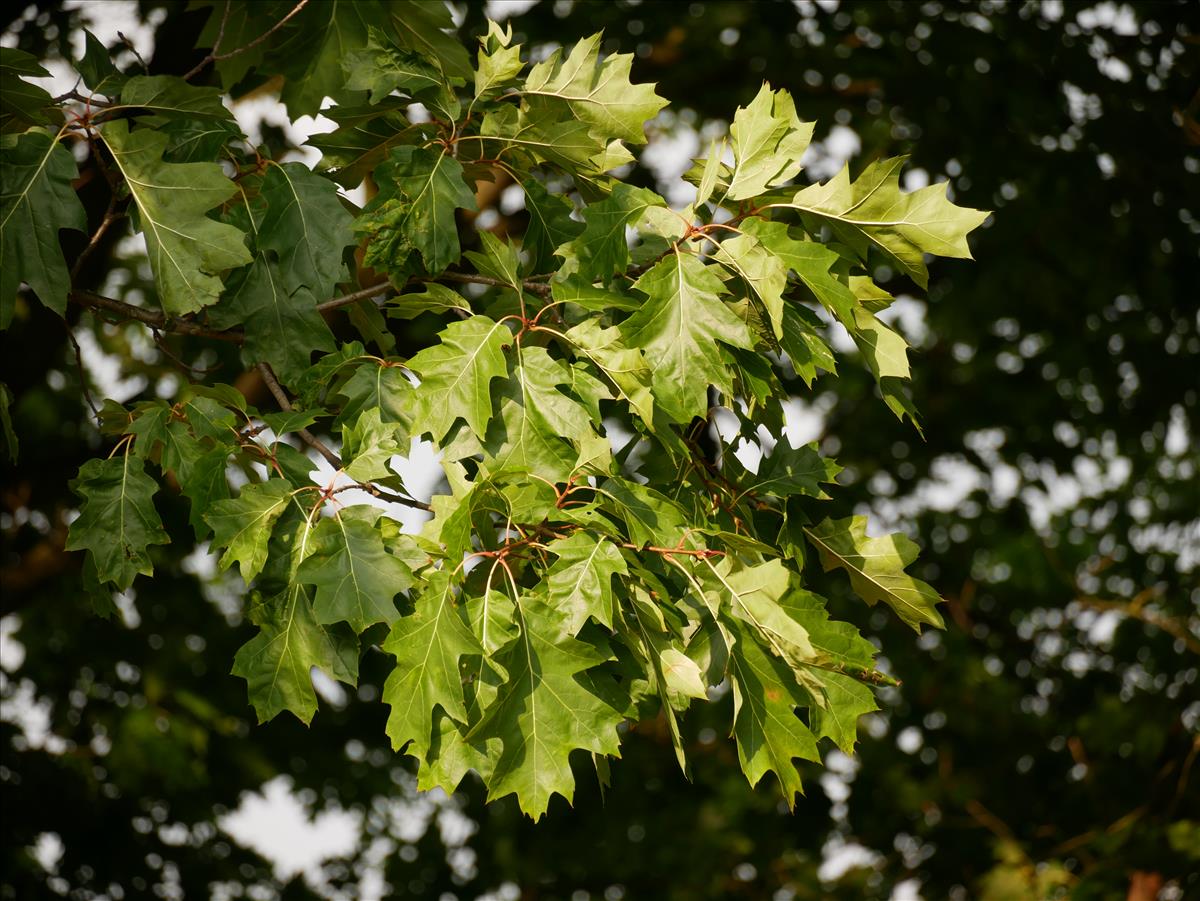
320 447
286 405
1172 626
73 94
93 301
110 216
347 299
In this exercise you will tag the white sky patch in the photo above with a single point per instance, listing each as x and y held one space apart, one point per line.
824 159
1117 19
908 313
12 652
278 825
840 857
668 154
499 10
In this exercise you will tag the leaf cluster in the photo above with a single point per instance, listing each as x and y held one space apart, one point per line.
595 556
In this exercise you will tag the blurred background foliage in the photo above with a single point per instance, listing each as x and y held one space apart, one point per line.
1043 746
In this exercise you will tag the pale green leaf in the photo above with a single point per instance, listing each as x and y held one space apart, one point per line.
583 87
187 250
456 374
873 210
544 712
876 568
768 141
681 327
770 736
580 582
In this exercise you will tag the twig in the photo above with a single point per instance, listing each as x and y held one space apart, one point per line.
83 381
213 55
216 44
110 216
286 405
74 94
320 447
132 49
465 277
347 299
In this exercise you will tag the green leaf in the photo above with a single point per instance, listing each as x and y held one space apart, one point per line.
580 582
876 568
625 366
22 104
535 416
283 327
596 92
874 211
356 579
379 386
601 250
754 597
650 517
368 444
433 299
187 250
789 470
381 67
171 97
761 269
419 191
884 350
242 525
97 68
362 139
428 645
309 52
498 64
117 521
277 663
810 261
205 485
427 27
544 712
36 200
307 227
846 701
768 141
803 344
6 424
770 736
681 327
456 374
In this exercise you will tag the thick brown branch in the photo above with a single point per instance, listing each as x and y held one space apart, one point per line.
93 301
